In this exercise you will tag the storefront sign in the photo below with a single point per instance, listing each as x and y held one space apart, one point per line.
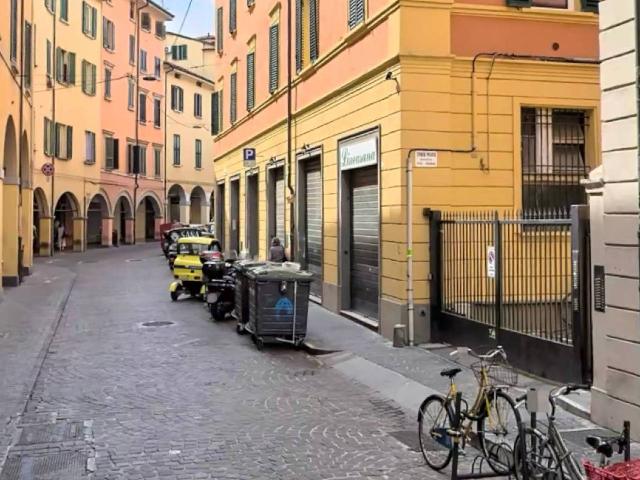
426 158
359 152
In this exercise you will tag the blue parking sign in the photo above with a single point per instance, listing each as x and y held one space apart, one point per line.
249 154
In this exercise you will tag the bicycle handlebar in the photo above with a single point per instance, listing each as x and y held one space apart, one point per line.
487 356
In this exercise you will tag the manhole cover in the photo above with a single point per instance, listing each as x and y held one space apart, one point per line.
67 465
157 324
51 433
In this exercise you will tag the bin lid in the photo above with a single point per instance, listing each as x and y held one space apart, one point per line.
278 273
245 265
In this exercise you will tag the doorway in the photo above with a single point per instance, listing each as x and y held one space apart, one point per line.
234 230
252 215
220 214
310 220
276 206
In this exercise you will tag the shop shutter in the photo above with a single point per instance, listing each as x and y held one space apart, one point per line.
299 40
273 57
364 241
219 29
215 113
590 5
234 98
251 81
356 12
519 3
313 30
232 16
279 204
313 220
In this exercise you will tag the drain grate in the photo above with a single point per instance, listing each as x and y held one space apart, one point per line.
157 324
408 438
51 433
65 465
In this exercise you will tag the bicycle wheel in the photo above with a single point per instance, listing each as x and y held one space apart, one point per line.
541 460
497 432
434 419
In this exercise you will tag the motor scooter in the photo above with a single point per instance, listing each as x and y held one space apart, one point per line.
219 287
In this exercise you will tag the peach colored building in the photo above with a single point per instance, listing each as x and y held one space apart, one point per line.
370 81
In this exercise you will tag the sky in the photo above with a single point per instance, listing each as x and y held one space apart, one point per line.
200 18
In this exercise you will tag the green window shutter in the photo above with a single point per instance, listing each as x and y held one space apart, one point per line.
215 113
590 5
313 30
221 111
219 30
94 22
299 39
27 54
56 146
234 98
274 35
519 3
84 17
64 10
47 136
356 12
232 16
84 76
94 74
59 65
69 142
72 68
251 81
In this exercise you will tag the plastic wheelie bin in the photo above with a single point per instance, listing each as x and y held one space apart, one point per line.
278 304
241 308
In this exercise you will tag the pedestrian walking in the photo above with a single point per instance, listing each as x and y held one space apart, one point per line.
276 252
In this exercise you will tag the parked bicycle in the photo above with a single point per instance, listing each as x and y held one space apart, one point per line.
493 412
546 455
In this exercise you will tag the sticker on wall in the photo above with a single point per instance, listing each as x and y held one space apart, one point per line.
491 261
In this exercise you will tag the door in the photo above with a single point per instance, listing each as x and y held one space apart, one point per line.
234 240
251 215
220 213
364 241
313 224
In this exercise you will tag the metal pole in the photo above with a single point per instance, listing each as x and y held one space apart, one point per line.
289 132
52 139
410 305
497 240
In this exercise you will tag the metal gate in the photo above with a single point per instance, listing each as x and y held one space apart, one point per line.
313 224
520 281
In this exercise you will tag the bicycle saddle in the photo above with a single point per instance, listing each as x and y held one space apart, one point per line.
601 446
450 372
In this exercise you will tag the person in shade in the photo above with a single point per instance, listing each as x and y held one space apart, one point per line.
276 252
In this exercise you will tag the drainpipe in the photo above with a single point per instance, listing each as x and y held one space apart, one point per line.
637 13
166 199
54 74
289 133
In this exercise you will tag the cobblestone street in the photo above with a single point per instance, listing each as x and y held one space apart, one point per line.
191 399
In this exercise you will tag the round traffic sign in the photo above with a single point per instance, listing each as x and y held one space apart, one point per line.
47 169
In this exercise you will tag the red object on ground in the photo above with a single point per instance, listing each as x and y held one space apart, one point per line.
617 471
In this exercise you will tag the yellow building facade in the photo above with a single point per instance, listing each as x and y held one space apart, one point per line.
365 93
17 85
190 175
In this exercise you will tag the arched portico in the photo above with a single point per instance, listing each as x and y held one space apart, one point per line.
123 228
10 208
148 218
99 221
68 224
178 204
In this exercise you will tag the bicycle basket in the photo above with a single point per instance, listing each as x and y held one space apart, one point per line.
617 471
498 373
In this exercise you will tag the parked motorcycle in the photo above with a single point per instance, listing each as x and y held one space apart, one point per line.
220 285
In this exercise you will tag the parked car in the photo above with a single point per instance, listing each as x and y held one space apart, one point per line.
187 267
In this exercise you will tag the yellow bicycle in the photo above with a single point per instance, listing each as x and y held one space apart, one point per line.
493 412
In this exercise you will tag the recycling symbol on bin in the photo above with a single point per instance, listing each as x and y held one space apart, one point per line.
284 306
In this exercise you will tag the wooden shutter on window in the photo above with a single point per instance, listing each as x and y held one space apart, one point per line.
519 3
273 57
299 39
215 113
590 5
72 68
219 29
232 16
356 12
69 142
234 97
251 81
313 30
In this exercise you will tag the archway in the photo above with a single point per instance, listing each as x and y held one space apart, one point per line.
66 234
177 199
41 223
148 218
10 208
198 202
123 220
98 222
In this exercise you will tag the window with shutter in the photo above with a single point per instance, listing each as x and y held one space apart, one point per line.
107 82
27 55
13 29
157 106
313 30
251 81
198 153
142 108
215 113
519 3
356 12
64 10
590 5
132 49
299 37
232 16
274 34
234 98
219 30
176 149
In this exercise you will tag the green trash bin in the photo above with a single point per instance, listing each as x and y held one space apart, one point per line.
278 304
241 307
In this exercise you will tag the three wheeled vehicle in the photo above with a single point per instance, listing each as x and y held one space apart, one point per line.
187 268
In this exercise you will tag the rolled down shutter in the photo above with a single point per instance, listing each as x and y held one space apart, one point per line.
234 97
519 3
215 113
299 40
273 57
590 5
251 81
313 30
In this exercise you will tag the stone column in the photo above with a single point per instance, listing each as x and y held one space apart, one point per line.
44 234
205 209
184 212
10 221
129 231
79 226
107 229
27 229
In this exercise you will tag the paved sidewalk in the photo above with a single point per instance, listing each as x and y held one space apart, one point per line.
29 316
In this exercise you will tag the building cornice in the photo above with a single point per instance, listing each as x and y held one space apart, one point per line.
533 14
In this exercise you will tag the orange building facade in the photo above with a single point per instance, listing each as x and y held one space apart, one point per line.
370 81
